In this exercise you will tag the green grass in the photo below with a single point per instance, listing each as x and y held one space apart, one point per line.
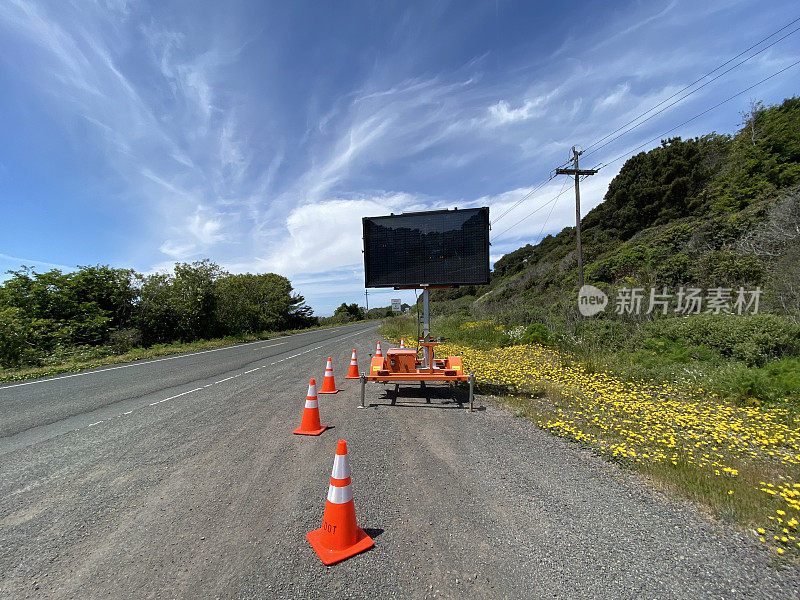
777 382
715 355
483 334
91 358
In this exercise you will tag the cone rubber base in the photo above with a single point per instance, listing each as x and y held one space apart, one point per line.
300 431
353 377
333 392
330 557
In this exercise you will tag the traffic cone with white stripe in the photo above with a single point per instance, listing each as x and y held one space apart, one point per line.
402 343
340 536
378 349
353 372
310 424
328 383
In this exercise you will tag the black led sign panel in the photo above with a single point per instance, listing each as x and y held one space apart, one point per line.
439 247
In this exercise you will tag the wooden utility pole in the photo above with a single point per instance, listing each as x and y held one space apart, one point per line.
577 172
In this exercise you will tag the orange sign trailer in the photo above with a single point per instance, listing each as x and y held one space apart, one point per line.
424 250
401 365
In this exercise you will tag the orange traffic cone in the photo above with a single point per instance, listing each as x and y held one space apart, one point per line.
378 350
328 383
310 424
340 536
402 343
353 372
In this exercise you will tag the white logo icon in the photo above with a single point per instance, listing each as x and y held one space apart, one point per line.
591 300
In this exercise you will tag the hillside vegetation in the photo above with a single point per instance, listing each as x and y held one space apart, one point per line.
705 402
716 211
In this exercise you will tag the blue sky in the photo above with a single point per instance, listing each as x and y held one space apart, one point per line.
258 134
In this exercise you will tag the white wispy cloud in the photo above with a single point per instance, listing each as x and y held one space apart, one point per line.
197 138
32 262
502 113
326 235
614 98
548 210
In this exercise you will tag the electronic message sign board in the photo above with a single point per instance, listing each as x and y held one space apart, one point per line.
433 248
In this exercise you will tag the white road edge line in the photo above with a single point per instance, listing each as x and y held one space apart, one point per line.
210 384
155 360
176 396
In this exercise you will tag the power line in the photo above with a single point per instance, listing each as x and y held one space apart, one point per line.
550 212
730 60
530 193
650 141
521 200
671 104
533 212
728 99
685 88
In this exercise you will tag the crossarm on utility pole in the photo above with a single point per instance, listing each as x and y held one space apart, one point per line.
576 171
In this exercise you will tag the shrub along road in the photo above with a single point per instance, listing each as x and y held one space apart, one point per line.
181 478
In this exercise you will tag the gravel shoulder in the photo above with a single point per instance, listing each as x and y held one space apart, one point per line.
209 495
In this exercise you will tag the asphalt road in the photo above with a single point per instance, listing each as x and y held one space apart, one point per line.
181 478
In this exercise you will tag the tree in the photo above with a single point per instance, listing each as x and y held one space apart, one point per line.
300 314
750 117
18 343
347 313
44 313
253 303
194 299
380 312
156 313
111 290
656 187
81 307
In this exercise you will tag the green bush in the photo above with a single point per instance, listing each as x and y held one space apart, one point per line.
752 339
604 333
124 340
16 344
601 271
675 270
784 376
536 333
479 334
348 313
669 350
774 382
730 268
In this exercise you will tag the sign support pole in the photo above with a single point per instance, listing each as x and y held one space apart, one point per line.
363 379
426 327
